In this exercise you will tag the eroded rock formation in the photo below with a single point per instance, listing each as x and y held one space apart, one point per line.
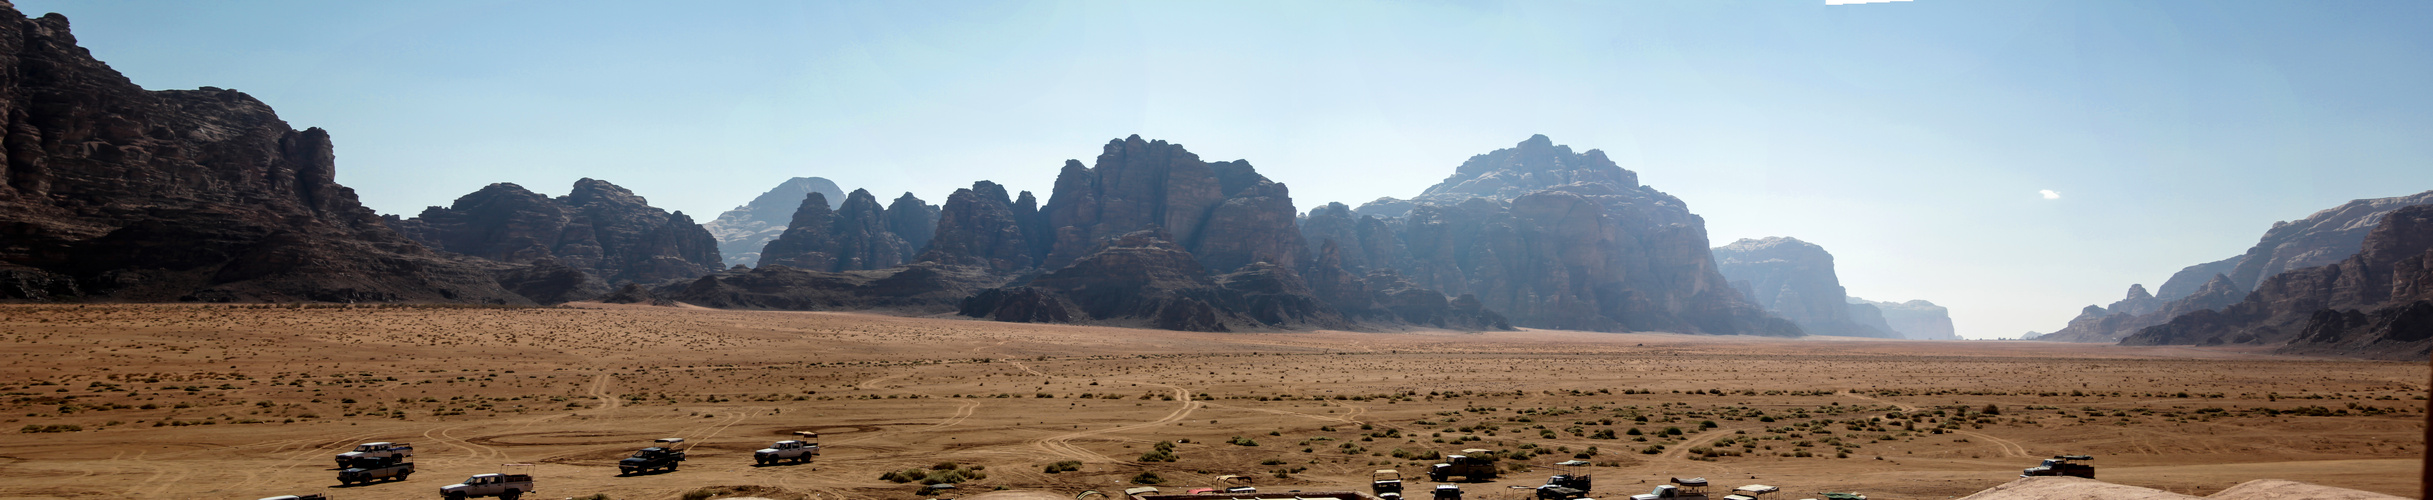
1224 213
922 288
597 227
2371 304
112 192
1144 279
1914 320
1795 280
2322 238
854 237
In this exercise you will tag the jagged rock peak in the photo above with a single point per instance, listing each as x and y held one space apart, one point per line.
1225 213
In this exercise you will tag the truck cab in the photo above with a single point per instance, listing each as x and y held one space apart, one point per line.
1386 482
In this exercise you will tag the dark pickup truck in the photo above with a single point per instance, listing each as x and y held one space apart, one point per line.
366 471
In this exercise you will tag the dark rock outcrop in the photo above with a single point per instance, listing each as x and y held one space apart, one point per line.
742 232
112 192
980 227
634 293
1793 279
2322 238
1557 239
1144 279
854 237
2366 305
1224 213
922 288
549 282
913 220
598 227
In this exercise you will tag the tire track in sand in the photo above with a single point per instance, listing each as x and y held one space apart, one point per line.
1062 444
599 390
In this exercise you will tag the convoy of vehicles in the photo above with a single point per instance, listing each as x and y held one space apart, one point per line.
384 461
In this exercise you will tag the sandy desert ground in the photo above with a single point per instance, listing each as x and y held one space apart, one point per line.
194 401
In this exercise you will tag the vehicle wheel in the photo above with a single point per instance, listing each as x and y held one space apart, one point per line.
456 495
402 477
671 467
511 495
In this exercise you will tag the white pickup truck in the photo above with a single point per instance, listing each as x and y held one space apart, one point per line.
504 486
374 451
786 450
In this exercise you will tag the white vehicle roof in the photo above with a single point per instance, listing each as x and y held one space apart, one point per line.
382 443
669 440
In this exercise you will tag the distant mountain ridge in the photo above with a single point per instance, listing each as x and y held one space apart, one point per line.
2321 238
2377 303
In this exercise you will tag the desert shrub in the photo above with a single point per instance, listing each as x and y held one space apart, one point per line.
1064 466
1159 456
699 494
1147 478
1241 441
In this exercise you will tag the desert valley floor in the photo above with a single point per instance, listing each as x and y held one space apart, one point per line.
192 401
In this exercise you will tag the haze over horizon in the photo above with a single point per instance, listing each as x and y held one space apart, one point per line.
2012 162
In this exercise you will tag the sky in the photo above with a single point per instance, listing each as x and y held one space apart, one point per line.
2013 161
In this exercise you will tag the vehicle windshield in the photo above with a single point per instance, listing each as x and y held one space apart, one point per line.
643 454
365 447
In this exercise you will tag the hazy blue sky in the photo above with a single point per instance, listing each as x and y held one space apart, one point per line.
1911 139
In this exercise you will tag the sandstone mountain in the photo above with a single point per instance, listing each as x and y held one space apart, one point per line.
2321 238
1552 239
1793 279
1914 320
1224 213
598 227
981 226
112 192
743 231
2377 303
854 237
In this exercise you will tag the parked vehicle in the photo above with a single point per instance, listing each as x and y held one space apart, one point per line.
365 471
661 457
375 451
1687 489
783 451
2062 465
505 485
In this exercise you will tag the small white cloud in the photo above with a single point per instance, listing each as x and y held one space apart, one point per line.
2049 194
1852 2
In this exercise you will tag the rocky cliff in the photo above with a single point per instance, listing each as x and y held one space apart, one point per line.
743 231
2372 304
981 226
854 237
2321 238
1914 320
598 227
1225 214
112 192
1558 239
1795 280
